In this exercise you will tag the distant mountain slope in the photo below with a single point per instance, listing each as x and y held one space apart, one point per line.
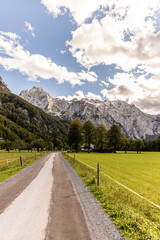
21 120
4 85
133 122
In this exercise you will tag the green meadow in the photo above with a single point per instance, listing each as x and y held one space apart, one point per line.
140 172
135 217
10 161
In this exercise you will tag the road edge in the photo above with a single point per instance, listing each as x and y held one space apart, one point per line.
99 223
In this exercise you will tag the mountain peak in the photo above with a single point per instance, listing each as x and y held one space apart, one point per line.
4 85
133 122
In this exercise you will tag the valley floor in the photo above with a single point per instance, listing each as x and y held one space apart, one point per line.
49 201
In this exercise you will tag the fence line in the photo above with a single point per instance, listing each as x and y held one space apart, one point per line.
6 163
154 204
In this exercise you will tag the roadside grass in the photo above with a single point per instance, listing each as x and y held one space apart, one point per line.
10 161
135 217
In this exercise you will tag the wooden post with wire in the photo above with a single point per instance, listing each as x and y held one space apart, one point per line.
21 161
97 174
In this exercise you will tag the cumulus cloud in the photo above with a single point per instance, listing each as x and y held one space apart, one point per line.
80 94
80 10
126 36
142 91
30 28
35 66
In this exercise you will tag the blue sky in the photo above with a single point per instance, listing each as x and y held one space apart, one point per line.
97 49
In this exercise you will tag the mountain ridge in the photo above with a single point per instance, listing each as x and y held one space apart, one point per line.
4 85
133 122
21 121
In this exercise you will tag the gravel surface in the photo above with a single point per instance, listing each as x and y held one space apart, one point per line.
100 223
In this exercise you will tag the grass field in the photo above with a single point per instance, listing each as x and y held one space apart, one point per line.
140 172
135 217
10 161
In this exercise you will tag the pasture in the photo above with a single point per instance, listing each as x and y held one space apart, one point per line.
10 161
135 217
139 172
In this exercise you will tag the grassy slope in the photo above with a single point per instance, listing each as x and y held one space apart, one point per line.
136 218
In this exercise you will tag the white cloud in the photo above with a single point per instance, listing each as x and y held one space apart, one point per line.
36 65
126 36
106 84
80 94
63 51
30 28
80 10
9 35
142 91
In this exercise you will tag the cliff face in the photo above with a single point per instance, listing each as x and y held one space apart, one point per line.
133 122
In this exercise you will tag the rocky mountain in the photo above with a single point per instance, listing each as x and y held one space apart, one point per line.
133 122
4 85
21 121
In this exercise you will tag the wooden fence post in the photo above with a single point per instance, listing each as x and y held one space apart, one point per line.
21 161
97 174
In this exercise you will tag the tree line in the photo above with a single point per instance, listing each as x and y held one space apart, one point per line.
90 137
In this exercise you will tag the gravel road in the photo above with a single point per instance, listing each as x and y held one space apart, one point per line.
100 224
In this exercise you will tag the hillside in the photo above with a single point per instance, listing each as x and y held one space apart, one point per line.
133 122
19 120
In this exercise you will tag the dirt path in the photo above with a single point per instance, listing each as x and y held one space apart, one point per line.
66 220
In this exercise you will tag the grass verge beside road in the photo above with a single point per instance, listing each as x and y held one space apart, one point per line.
10 162
135 217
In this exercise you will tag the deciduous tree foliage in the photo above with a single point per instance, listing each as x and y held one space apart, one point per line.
138 145
101 137
125 144
114 137
89 134
75 136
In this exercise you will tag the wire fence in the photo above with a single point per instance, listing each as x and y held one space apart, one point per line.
104 174
18 161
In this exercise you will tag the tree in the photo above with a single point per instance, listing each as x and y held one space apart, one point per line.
101 137
138 145
149 145
89 134
38 144
20 144
125 144
157 140
114 137
8 145
75 136
49 145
